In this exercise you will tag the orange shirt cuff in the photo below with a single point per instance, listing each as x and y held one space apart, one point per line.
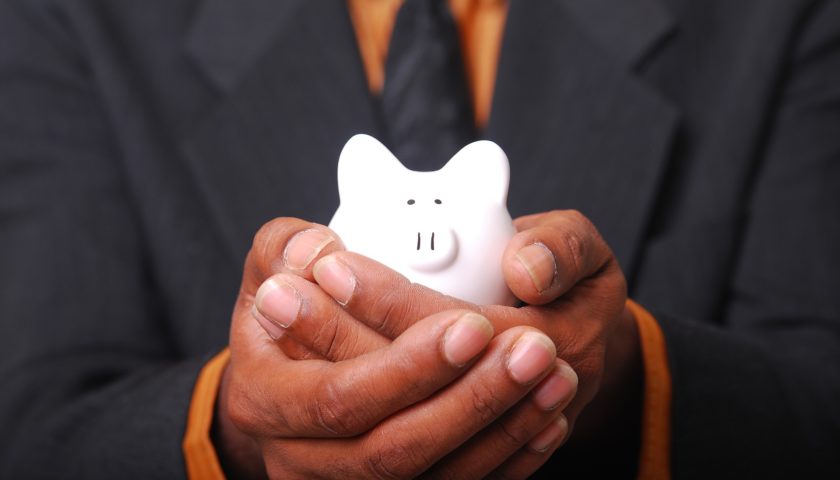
199 452
655 455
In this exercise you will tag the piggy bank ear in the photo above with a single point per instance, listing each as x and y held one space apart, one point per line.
365 165
481 168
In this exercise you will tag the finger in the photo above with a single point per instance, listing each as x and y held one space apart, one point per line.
287 245
313 398
389 303
513 364
552 253
287 305
377 295
527 461
536 424
296 351
408 443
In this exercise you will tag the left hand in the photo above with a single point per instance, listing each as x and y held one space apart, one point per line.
557 264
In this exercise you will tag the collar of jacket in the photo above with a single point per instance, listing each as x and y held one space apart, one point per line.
228 38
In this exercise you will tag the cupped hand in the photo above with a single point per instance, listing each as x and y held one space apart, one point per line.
444 398
557 264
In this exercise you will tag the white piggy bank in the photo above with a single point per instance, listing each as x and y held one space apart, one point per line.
446 230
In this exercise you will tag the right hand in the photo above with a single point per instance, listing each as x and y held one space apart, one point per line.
445 398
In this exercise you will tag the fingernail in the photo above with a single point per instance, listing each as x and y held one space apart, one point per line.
304 247
539 262
278 302
335 278
530 357
466 338
552 433
557 388
274 331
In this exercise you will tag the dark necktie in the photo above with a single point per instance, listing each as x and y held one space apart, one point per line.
425 101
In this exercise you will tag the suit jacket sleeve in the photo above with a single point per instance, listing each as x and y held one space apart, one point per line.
759 394
92 385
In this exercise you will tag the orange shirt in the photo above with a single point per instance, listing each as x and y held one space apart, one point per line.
480 25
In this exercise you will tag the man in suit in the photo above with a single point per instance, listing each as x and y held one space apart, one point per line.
143 144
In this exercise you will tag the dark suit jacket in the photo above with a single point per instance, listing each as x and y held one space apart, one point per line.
142 143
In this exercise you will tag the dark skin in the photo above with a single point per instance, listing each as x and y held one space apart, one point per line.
340 367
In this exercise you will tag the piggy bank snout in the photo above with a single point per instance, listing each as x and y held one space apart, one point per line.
430 248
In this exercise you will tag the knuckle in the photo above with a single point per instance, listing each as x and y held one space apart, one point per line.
588 233
555 216
511 436
240 415
589 368
265 244
575 216
485 402
592 367
327 339
268 231
336 413
396 460
252 411
389 310
575 248
241 409
296 351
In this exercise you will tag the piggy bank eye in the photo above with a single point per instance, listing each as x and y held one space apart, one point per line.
410 201
437 201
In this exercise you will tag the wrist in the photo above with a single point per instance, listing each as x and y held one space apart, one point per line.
239 454
623 363
615 412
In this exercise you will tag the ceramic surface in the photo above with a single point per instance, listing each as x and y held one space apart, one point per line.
445 229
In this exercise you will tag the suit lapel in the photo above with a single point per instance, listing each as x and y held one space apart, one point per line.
292 92
581 129
227 38
628 29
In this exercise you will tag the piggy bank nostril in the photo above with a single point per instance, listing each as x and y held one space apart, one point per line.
420 241
436 249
